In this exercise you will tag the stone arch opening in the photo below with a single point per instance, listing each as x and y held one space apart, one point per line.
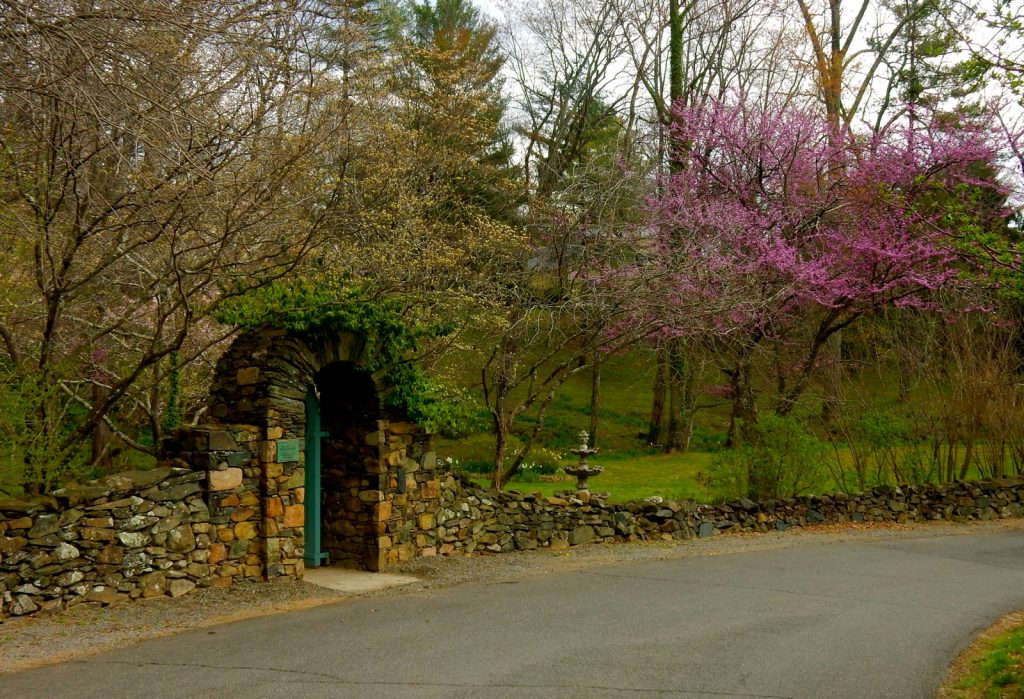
378 479
350 412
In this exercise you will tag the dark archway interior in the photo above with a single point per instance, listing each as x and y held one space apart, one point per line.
349 409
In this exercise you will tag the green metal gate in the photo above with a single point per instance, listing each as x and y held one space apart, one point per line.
314 556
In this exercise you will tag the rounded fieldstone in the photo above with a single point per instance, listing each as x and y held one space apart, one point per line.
65 552
181 539
133 540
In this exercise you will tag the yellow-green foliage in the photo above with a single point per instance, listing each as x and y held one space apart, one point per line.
35 417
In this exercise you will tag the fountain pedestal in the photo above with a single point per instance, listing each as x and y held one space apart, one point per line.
583 470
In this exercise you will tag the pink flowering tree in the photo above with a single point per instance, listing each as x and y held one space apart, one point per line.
817 227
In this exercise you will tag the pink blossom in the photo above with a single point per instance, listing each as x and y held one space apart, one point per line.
774 203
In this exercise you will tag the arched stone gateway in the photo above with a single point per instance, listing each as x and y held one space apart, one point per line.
232 500
306 464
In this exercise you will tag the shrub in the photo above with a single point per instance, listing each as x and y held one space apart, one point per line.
705 439
778 457
35 419
475 455
541 461
877 441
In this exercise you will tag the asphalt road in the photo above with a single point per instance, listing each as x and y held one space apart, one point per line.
860 619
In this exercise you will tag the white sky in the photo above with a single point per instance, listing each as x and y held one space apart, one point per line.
490 7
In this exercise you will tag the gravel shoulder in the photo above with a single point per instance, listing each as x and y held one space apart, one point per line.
87 630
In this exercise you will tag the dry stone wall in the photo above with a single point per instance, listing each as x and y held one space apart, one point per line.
474 520
255 507
138 534
166 531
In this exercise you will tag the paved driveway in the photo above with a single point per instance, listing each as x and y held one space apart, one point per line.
859 619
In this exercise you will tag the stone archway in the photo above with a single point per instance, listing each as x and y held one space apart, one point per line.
349 463
377 468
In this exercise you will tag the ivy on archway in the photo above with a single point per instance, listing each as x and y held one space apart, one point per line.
321 309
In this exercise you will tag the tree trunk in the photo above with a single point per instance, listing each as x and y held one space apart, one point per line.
595 398
689 407
500 414
675 416
744 404
965 466
675 52
101 436
172 409
658 403
833 379
829 326
502 434
680 397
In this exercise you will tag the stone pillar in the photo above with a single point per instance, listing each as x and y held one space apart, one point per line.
412 491
227 454
282 493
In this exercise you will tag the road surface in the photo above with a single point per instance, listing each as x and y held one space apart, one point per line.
879 618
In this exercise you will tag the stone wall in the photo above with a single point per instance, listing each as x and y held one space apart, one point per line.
165 532
228 504
470 519
411 495
218 510
137 534
262 386
380 491
255 504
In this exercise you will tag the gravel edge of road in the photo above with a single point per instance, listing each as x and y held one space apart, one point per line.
86 630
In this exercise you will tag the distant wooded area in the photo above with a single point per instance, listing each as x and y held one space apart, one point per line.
798 220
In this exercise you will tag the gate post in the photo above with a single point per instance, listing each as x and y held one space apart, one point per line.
314 554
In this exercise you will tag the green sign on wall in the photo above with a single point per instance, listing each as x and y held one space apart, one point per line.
287 450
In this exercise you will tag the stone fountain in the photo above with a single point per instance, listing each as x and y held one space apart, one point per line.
583 470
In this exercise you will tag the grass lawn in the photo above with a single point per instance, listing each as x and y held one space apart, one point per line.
995 670
635 469
633 478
